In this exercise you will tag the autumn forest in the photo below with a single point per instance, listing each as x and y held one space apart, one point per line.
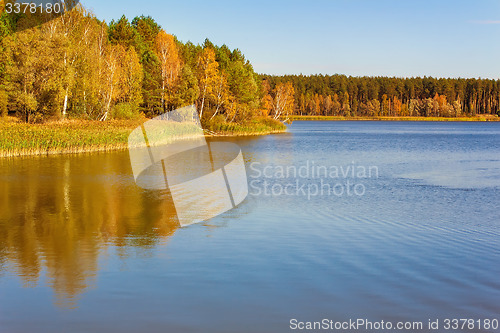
77 66
340 95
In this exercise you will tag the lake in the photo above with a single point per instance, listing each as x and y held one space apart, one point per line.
393 221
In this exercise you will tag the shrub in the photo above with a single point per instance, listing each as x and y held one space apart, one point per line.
125 111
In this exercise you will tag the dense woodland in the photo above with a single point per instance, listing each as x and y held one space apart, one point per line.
340 95
77 66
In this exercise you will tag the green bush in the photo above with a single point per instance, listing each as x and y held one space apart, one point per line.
125 111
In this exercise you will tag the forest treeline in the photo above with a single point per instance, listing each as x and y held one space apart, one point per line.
340 95
80 67
77 66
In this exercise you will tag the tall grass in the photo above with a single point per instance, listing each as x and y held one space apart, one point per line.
77 136
72 136
257 126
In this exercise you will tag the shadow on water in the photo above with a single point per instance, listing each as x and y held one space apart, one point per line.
58 215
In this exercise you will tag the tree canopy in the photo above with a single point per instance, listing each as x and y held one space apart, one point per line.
79 66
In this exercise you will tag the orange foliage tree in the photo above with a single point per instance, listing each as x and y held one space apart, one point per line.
170 64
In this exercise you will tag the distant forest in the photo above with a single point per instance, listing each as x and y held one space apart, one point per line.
340 95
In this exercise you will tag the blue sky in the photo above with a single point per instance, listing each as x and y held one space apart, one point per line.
389 37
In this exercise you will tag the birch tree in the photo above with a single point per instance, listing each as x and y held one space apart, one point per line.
283 100
208 72
170 65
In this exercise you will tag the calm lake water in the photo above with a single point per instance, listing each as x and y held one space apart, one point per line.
413 234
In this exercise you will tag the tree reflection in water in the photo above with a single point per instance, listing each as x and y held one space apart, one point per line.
59 215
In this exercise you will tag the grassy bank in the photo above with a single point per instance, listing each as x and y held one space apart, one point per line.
77 136
385 118
260 126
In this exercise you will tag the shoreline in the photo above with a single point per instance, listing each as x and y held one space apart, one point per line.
479 118
79 137
86 136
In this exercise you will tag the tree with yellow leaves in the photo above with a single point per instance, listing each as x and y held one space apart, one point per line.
208 76
284 102
131 78
221 93
112 73
170 64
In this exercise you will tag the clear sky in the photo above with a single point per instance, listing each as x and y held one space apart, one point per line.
440 38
